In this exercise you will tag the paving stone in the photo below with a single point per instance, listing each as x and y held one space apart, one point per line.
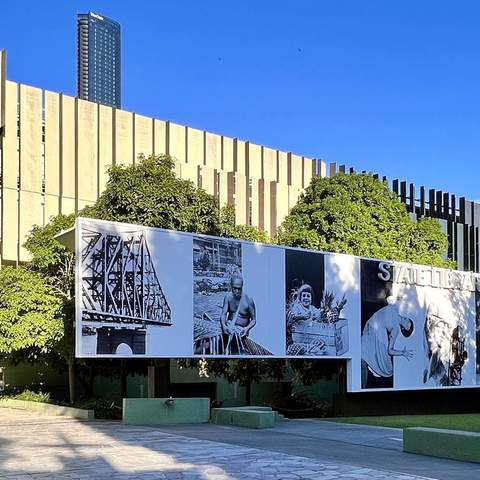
38 447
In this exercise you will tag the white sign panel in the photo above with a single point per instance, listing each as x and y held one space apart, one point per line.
148 292
417 328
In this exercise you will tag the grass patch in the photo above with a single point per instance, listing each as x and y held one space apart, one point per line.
30 396
469 422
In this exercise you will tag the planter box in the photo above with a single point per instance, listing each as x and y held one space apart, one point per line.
48 409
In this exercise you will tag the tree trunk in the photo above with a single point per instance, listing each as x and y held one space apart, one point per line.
248 387
123 380
91 379
162 378
341 377
248 393
151 381
71 380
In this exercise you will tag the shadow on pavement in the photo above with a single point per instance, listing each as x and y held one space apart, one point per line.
52 447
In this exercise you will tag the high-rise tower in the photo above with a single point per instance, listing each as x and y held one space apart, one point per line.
98 59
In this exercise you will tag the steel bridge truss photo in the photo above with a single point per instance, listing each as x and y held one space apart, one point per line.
121 293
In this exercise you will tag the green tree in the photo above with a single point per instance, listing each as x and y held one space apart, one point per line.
146 193
352 214
55 264
31 323
52 259
357 214
248 371
228 228
149 193
244 371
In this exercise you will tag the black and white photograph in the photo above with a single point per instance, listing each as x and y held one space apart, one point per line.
444 348
225 310
440 351
414 336
381 324
314 322
122 295
447 354
162 294
477 324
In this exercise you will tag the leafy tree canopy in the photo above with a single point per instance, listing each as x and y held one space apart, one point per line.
50 258
242 232
352 214
357 214
150 194
31 323
242 370
146 193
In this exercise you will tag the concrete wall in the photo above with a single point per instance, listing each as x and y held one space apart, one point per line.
48 409
56 150
165 411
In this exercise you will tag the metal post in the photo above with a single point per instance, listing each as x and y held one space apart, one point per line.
151 381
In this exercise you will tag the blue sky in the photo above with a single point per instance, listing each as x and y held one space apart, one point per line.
391 87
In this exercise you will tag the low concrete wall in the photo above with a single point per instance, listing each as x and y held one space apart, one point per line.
48 409
250 417
453 444
164 411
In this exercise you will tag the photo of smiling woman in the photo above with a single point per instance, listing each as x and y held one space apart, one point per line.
301 306
304 287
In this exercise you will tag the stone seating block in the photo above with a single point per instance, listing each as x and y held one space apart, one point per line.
244 417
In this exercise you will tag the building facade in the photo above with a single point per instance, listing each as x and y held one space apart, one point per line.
98 59
55 151
3 61
458 217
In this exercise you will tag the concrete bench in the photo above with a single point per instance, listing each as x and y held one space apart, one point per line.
453 444
250 417
165 411
278 416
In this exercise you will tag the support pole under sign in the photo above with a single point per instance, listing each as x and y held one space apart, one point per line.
151 381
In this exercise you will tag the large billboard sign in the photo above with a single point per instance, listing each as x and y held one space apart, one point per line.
417 328
148 292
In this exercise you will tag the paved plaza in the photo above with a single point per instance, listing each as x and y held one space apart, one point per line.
42 447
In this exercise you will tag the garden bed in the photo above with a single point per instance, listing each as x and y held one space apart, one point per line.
48 408
42 403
